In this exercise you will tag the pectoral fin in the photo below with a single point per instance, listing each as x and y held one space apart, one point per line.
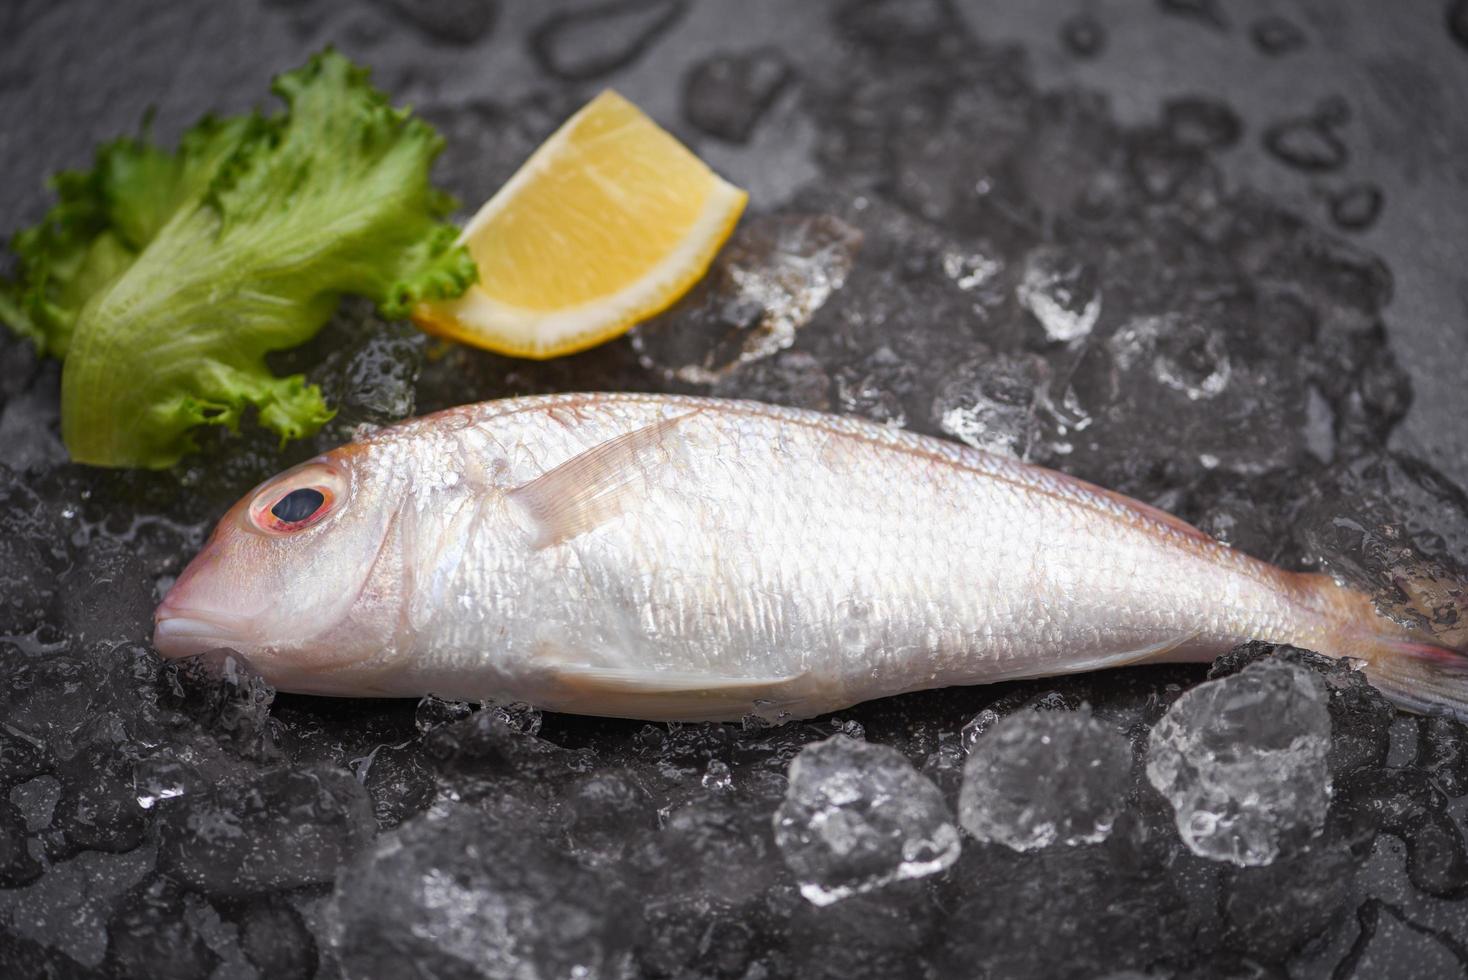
663 695
592 488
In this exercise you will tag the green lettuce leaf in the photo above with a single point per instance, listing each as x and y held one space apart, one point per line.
164 279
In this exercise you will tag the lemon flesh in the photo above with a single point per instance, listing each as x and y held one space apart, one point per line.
608 222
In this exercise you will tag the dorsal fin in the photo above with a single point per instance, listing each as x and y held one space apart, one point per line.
1156 514
595 486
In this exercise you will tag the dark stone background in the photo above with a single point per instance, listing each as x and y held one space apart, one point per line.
1276 191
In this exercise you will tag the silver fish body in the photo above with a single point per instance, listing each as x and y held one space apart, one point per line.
663 557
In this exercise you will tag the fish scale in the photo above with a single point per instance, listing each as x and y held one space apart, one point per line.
667 557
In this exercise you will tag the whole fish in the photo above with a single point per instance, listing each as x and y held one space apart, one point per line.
671 558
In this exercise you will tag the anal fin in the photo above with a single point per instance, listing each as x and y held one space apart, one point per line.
1152 651
667 695
1158 652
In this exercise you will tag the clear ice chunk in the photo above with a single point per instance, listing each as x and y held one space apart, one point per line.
1242 760
990 402
455 894
1037 778
858 816
284 828
773 276
1063 293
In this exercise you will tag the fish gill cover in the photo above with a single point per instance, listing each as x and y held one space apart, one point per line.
163 279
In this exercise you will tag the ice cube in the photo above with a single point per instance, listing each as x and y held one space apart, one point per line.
1242 760
108 594
452 894
399 780
66 909
223 692
496 747
605 812
370 374
712 849
18 866
97 808
284 828
1062 291
434 711
148 935
766 284
858 816
877 387
276 940
1036 778
22 760
990 401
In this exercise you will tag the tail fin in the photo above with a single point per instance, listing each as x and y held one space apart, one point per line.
1421 677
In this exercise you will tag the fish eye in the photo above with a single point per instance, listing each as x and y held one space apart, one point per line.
298 505
297 499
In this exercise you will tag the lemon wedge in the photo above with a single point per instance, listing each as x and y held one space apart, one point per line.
608 222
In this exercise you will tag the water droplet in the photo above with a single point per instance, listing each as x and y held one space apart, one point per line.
1276 36
1083 35
1356 207
1200 123
1204 11
596 40
461 22
891 23
1309 144
1458 22
726 95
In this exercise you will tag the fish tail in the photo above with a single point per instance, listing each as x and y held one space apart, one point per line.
1419 676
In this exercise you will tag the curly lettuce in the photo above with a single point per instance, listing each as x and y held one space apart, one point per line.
163 279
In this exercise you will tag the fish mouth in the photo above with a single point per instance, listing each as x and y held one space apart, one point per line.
184 632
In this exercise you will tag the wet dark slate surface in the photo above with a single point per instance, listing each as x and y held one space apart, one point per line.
1212 255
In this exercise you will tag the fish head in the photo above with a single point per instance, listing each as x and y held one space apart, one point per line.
287 577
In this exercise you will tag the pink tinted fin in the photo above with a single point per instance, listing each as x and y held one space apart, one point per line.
666 695
1419 676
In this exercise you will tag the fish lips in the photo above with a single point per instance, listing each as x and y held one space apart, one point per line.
180 632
